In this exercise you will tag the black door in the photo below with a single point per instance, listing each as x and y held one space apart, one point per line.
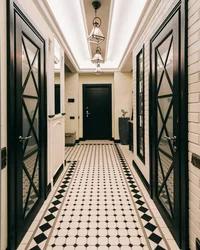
97 115
28 164
165 115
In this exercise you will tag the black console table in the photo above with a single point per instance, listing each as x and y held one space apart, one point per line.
130 124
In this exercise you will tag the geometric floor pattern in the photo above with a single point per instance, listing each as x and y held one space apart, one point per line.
97 206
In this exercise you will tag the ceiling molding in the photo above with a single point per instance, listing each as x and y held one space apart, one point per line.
85 26
109 28
110 70
145 16
47 14
49 17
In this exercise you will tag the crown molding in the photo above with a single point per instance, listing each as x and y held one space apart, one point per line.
85 26
145 16
47 14
109 28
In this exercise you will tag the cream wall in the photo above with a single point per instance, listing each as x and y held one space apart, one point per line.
3 113
194 117
157 16
123 97
72 108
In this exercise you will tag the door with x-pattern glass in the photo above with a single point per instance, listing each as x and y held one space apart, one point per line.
30 124
165 118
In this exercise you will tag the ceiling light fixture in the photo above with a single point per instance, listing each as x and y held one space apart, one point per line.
96 36
97 57
98 70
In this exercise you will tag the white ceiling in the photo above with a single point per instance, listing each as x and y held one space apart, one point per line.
119 18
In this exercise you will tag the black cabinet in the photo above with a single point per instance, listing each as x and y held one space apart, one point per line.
130 124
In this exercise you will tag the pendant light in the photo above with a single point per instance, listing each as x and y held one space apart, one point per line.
96 36
97 57
98 70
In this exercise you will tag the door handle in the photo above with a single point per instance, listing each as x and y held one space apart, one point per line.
87 113
21 138
170 138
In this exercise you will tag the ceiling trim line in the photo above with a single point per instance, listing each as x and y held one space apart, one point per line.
85 26
141 25
109 28
51 21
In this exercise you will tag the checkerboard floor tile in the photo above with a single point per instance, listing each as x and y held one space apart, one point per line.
97 205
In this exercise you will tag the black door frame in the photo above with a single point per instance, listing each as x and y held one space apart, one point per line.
83 94
180 6
12 8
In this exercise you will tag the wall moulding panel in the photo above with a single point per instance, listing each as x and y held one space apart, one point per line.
56 145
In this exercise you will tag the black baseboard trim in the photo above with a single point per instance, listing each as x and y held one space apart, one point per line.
116 141
57 174
143 179
81 139
77 141
48 189
70 145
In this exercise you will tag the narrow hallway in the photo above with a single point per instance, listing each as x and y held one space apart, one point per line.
97 204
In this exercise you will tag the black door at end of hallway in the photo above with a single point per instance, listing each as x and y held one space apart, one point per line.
97 111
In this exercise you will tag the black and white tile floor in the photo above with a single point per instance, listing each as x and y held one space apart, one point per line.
98 205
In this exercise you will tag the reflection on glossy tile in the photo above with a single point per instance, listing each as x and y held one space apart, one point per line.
96 205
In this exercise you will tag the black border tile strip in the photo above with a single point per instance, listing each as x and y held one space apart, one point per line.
44 227
151 227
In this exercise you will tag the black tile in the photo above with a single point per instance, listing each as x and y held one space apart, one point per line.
39 238
53 209
35 248
146 217
49 217
139 202
155 238
150 227
45 227
159 248
143 209
59 196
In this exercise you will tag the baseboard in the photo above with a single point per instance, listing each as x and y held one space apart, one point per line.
143 179
57 174
48 189
197 244
116 141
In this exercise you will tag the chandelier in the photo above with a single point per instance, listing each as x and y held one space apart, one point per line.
96 36
97 57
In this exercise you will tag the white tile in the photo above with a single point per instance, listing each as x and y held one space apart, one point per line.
122 232
70 241
135 241
60 241
92 241
102 241
124 241
58 248
81 241
102 232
